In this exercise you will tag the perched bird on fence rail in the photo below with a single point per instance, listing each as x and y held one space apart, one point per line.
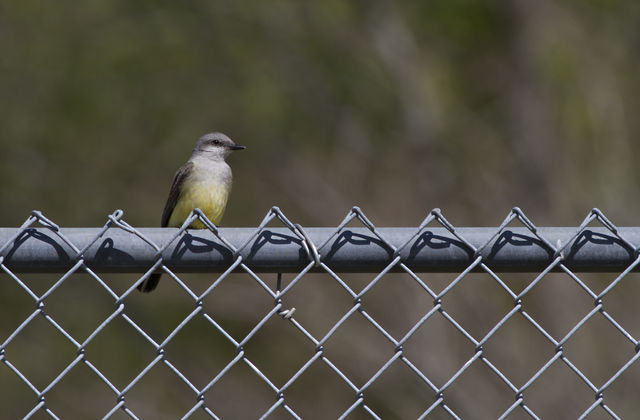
203 182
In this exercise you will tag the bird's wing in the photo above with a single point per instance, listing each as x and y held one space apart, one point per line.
174 193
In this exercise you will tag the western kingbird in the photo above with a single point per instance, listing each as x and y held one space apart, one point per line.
203 182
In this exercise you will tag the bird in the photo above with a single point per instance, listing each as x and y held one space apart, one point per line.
203 182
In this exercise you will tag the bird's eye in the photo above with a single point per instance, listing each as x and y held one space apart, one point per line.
216 141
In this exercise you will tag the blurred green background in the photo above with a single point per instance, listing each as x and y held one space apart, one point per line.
397 107
471 106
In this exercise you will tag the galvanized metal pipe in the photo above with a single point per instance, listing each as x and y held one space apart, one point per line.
351 250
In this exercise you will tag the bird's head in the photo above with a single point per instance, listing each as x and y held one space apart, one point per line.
215 145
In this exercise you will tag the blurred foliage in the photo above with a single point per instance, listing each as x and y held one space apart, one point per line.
471 106
398 107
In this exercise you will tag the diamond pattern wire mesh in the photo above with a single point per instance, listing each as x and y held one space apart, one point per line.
390 364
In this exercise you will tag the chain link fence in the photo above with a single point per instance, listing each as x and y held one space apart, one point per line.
356 321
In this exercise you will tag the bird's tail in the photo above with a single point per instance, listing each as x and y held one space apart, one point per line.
150 283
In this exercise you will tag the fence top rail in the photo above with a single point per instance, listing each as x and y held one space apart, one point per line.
348 249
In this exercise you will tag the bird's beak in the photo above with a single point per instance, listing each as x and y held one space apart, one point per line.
237 147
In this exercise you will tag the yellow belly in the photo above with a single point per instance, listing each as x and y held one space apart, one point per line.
208 197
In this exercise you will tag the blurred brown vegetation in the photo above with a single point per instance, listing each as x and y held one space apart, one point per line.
397 107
